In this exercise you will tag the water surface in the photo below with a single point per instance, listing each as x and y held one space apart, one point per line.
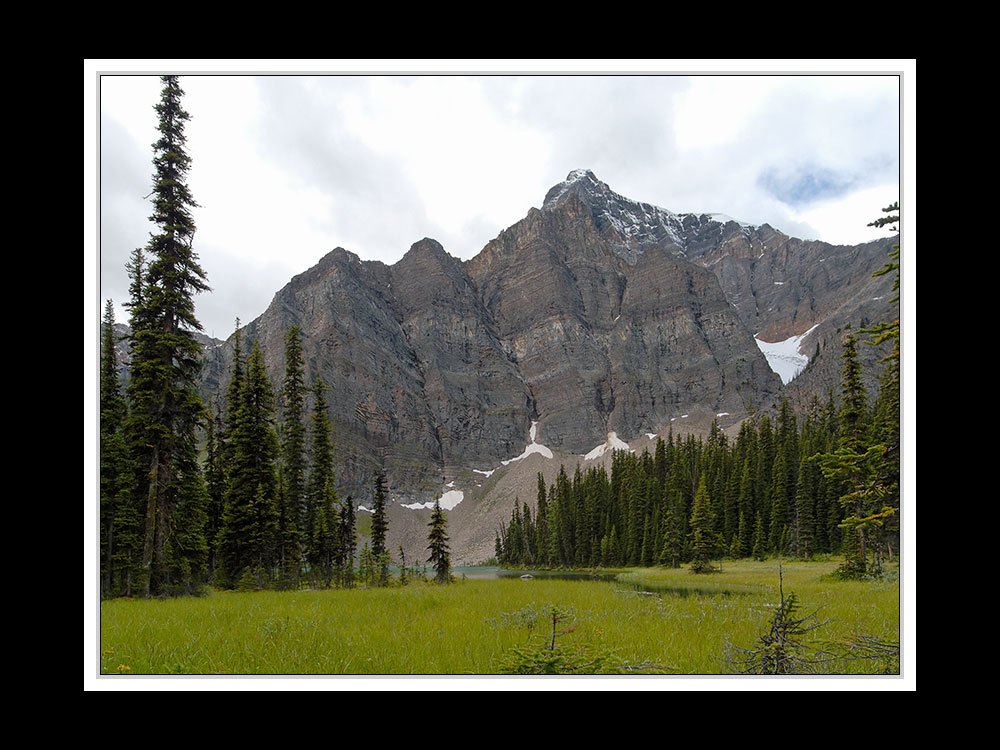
660 588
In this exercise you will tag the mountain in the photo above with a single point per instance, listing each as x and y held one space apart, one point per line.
594 320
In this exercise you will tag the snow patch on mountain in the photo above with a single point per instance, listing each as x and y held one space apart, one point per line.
784 357
613 443
532 447
453 497
448 501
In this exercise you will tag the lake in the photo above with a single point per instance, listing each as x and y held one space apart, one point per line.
630 581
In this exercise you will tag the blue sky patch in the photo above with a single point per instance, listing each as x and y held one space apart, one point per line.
804 185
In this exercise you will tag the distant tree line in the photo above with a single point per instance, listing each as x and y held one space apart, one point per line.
827 485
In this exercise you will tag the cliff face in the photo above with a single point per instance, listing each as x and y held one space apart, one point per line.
595 314
612 337
477 400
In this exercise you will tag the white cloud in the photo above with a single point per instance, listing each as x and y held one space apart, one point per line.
844 221
287 168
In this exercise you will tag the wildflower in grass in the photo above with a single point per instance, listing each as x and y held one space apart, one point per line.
123 668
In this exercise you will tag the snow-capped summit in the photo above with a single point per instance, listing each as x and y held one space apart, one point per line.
637 225
634 226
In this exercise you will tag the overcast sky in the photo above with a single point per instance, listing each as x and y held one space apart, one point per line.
288 167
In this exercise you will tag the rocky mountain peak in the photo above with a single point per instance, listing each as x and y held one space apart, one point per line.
580 182
630 227
425 248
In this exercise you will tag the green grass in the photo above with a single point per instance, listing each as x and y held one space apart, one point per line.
474 626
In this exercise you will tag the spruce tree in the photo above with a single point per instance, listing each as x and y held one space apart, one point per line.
886 437
437 544
704 541
323 549
779 505
380 526
730 506
788 437
747 511
542 524
348 544
293 508
805 504
365 566
215 481
118 519
234 397
562 507
165 358
321 525
851 466
112 414
249 536
515 536
855 398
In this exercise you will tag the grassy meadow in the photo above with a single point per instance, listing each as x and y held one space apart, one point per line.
649 621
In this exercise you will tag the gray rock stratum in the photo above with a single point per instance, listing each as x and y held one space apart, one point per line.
593 315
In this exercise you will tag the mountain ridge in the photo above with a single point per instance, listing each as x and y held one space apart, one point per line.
591 317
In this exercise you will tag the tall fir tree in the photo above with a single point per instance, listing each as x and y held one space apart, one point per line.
234 396
804 534
886 435
320 532
324 551
855 466
748 511
437 544
119 528
780 508
673 529
542 524
846 463
165 358
380 527
704 540
348 544
294 508
249 537
215 480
